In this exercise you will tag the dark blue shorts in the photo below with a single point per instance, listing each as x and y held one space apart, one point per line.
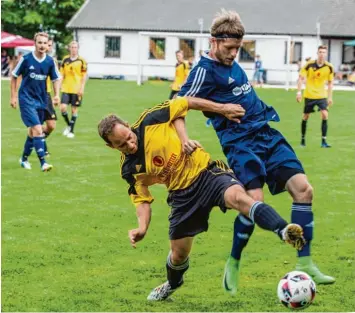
265 156
191 207
32 116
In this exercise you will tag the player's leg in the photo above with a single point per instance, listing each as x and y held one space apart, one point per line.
38 143
27 150
302 194
285 172
308 109
324 116
74 115
176 265
50 118
64 111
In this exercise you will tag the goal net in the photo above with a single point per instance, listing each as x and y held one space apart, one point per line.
156 57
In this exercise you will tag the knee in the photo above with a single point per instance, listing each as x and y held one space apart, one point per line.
63 108
305 117
36 131
304 193
178 256
50 127
324 115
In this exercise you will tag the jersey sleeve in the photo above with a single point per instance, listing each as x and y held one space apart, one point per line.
137 190
331 73
304 71
178 108
84 66
54 73
199 83
19 68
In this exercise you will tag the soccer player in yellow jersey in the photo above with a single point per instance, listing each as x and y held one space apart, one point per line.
316 73
74 73
182 70
50 116
152 153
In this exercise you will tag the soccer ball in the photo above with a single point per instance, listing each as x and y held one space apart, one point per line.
296 290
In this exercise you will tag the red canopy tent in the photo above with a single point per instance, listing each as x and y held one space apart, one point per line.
13 41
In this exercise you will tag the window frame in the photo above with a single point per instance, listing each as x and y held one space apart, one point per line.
292 51
193 49
343 54
149 54
120 47
240 60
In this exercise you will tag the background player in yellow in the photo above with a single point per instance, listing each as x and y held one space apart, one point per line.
316 73
182 69
151 153
74 73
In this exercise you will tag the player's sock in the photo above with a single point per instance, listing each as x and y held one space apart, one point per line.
175 272
66 118
38 143
303 128
267 218
243 229
302 215
324 130
27 148
72 123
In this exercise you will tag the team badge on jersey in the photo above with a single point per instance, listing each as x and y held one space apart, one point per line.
158 161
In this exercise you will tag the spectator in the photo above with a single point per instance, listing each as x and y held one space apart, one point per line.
258 74
5 60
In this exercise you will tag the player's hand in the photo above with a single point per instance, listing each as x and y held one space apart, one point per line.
190 146
135 235
330 102
13 102
56 100
299 97
81 92
233 112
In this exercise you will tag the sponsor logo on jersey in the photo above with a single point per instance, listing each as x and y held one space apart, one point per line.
244 89
38 76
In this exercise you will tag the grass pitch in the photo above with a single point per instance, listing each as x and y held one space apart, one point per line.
64 233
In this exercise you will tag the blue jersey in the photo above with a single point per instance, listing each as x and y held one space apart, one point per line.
34 73
210 79
258 65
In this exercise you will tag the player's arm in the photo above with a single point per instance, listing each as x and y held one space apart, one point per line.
83 78
144 213
188 145
330 86
18 70
199 83
55 77
231 111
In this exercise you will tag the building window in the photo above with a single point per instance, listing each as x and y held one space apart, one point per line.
112 47
247 51
157 48
348 55
296 52
188 46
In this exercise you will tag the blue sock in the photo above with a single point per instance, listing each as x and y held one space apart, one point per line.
302 215
27 148
38 143
72 123
243 229
267 218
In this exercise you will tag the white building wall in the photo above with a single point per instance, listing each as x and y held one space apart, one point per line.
92 48
336 51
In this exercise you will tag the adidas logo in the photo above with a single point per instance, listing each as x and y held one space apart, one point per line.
32 67
231 80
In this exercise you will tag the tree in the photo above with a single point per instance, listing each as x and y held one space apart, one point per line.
26 17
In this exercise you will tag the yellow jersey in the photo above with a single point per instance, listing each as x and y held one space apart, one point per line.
48 81
316 77
181 72
72 72
160 159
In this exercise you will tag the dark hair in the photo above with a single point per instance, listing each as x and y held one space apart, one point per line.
107 124
179 51
322 47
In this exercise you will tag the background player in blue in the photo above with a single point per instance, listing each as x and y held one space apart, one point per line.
35 67
257 153
258 74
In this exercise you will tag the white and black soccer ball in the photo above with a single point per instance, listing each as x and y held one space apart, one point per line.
296 290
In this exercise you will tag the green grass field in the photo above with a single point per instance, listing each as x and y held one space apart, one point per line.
64 233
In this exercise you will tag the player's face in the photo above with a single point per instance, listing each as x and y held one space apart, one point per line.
226 50
73 49
123 139
179 57
41 44
322 54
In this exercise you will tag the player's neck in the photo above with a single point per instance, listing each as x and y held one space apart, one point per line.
39 55
212 55
74 57
320 62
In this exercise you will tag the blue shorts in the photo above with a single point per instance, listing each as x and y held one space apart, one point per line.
32 116
265 156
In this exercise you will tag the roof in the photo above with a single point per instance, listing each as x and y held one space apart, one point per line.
286 17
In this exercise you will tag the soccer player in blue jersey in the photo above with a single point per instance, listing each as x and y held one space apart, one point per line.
257 153
35 67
